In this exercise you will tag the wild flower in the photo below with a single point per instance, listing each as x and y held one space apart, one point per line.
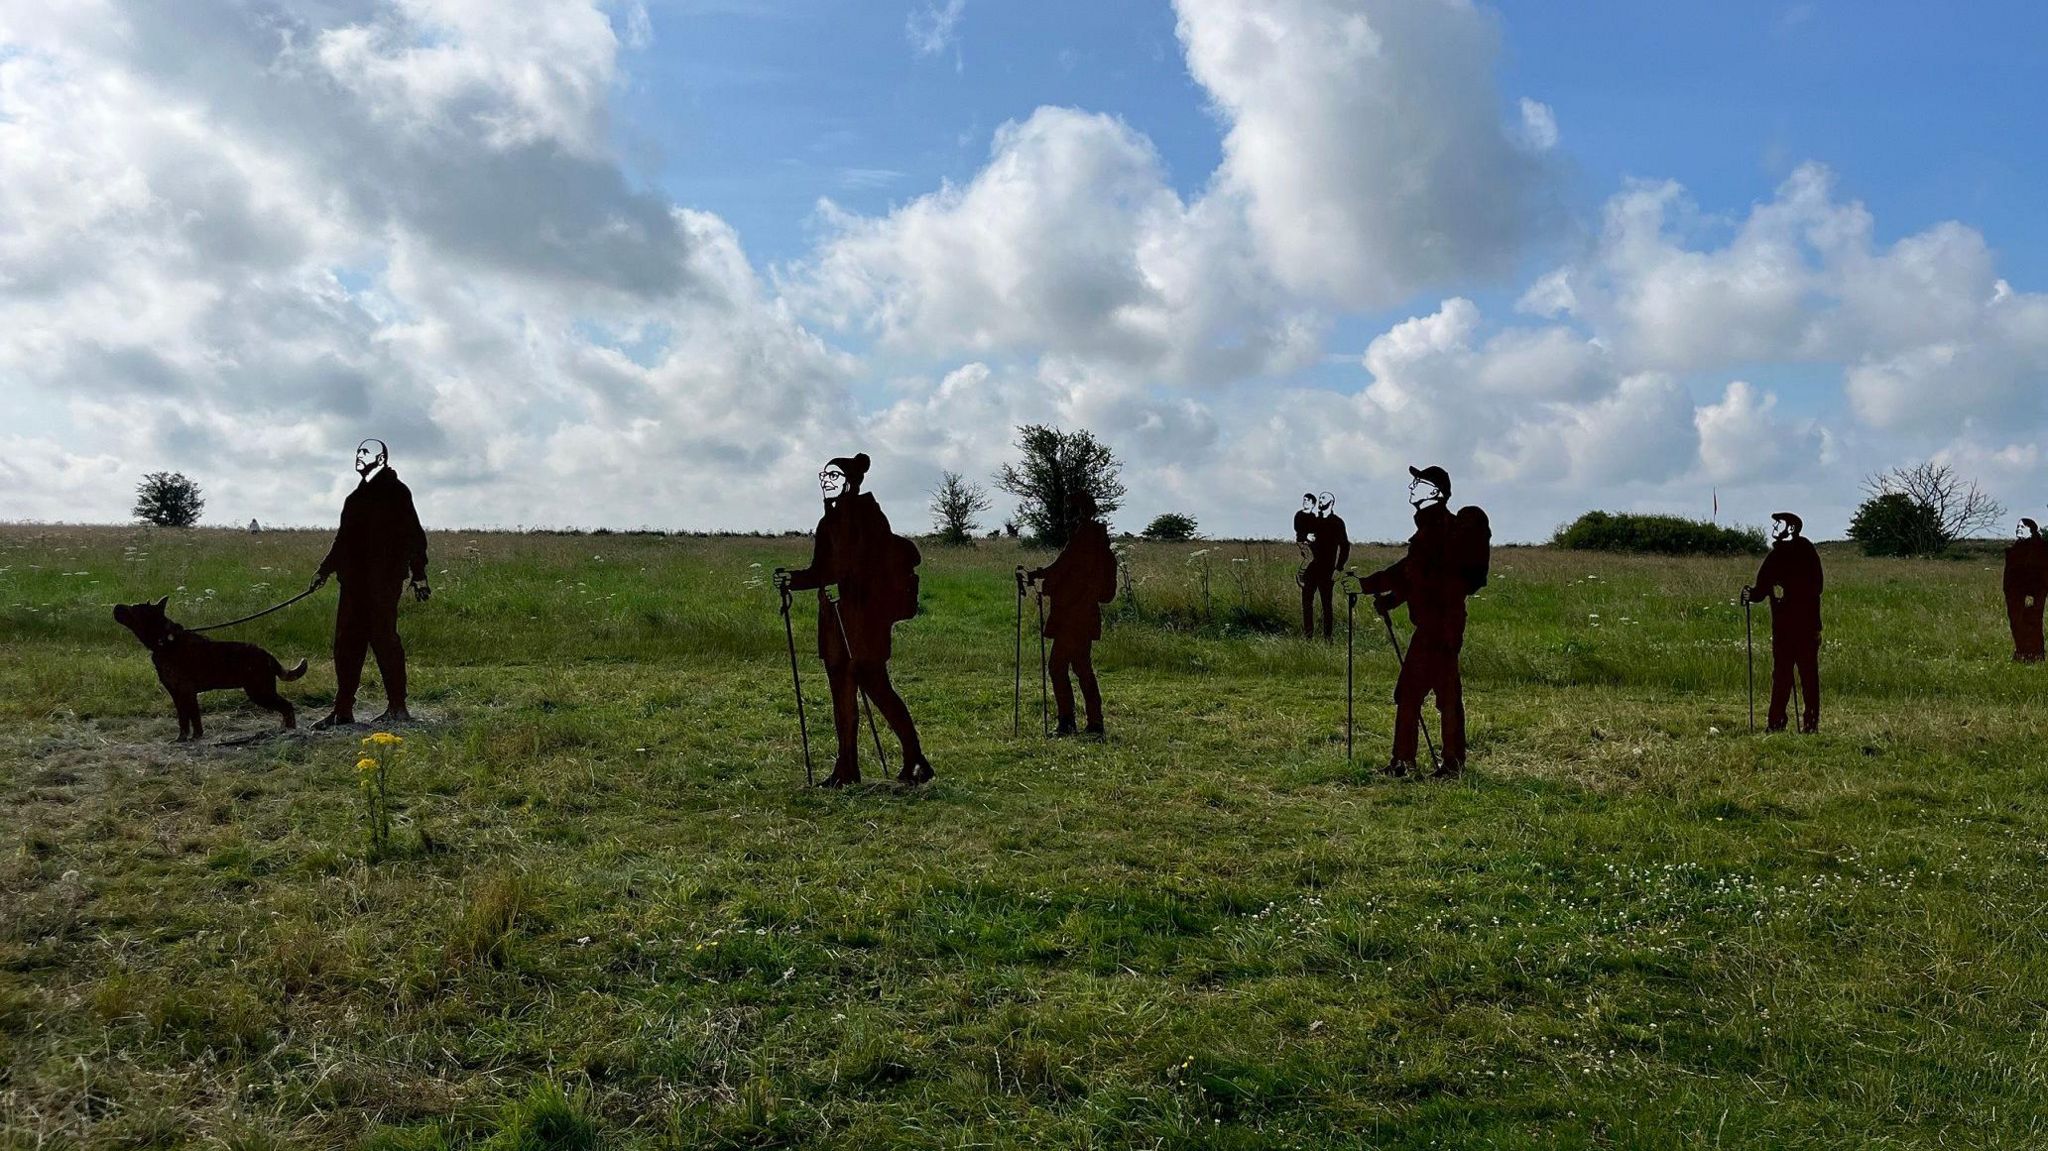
373 779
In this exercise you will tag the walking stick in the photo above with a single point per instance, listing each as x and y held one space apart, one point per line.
1044 722
1350 628
802 727
1017 664
847 646
1749 640
1401 660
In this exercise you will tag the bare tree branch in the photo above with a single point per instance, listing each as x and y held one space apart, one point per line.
1959 507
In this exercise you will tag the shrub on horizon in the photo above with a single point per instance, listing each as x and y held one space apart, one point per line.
1656 535
1171 527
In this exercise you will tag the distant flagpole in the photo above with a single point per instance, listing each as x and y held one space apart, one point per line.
1717 505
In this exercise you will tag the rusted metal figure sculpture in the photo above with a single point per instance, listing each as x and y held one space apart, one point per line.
874 573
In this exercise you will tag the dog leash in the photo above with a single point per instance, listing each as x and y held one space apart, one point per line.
260 614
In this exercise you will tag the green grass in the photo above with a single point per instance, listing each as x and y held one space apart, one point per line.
612 916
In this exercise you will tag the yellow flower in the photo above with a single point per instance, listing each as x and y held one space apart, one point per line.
366 764
385 739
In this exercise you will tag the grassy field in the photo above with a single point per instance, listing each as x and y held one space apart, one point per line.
612 915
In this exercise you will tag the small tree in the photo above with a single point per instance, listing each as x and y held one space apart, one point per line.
1171 527
168 500
1939 507
1892 524
1057 467
956 506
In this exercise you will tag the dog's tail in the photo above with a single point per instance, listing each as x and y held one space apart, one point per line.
288 673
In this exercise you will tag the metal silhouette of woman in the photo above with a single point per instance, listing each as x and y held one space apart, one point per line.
875 574
2026 584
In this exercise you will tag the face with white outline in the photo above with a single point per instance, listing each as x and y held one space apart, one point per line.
1782 530
370 455
1308 502
1325 504
832 481
2024 531
1421 491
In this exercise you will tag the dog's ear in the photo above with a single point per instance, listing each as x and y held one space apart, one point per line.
162 602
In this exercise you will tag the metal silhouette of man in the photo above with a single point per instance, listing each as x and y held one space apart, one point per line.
1790 579
1446 562
875 571
1327 547
1078 583
379 544
1305 525
2026 586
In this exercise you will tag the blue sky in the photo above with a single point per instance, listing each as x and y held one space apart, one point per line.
1600 254
758 110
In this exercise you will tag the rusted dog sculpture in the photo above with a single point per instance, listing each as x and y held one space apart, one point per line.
188 663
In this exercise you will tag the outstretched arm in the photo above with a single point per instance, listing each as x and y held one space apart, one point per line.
817 575
1388 586
335 551
1768 575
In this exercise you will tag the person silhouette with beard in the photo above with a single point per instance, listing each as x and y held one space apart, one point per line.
874 571
1790 580
1321 536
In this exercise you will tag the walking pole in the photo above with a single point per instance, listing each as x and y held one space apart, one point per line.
1401 660
847 646
1044 722
1350 628
1017 664
1749 640
797 682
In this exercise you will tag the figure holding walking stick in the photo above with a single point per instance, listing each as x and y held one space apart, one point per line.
1790 579
875 572
1079 582
1446 562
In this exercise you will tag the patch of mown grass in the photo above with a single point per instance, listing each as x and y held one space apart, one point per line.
1632 925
